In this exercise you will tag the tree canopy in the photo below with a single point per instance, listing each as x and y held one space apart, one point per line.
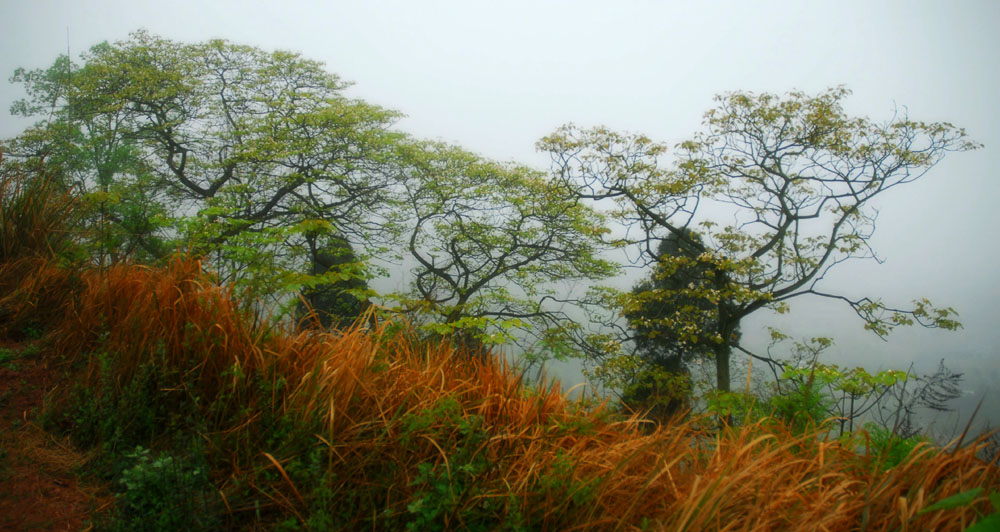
487 241
658 375
794 177
257 162
235 150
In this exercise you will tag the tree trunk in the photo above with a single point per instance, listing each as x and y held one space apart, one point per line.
728 324
722 365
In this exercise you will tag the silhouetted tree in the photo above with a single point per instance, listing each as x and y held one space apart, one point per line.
338 298
658 316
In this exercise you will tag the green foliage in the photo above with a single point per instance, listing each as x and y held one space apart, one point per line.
163 494
451 492
310 469
111 417
335 290
9 357
215 147
804 408
889 397
659 311
672 320
986 523
489 241
955 501
447 494
31 332
126 221
257 163
643 386
560 480
736 406
115 414
445 490
891 449
842 393
798 176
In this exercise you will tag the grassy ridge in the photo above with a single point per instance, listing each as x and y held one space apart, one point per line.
201 419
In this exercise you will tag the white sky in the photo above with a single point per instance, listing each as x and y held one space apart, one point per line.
496 76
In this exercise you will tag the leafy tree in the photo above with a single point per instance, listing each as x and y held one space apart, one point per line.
796 178
889 399
663 378
256 161
336 293
234 149
89 151
668 346
487 242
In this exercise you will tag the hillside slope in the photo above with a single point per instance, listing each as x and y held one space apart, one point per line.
199 417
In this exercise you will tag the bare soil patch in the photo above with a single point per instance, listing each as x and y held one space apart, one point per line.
40 489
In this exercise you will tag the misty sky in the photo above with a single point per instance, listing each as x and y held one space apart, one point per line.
496 76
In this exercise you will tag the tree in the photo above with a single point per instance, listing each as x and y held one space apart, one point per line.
337 293
236 149
795 175
663 353
654 302
257 162
487 242
89 151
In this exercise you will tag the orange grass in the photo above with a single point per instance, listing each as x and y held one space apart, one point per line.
175 312
32 289
36 214
390 415
361 384
36 219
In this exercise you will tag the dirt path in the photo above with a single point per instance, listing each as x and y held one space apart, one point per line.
39 489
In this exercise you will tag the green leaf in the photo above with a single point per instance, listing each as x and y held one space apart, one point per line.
990 523
955 501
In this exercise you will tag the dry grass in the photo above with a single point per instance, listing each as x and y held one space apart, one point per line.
400 426
364 385
175 313
36 214
36 220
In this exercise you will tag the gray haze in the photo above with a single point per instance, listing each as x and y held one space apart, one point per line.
495 77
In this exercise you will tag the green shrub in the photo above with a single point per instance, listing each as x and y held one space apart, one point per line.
163 494
113 418
114 414
805 408
890 448
447 493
